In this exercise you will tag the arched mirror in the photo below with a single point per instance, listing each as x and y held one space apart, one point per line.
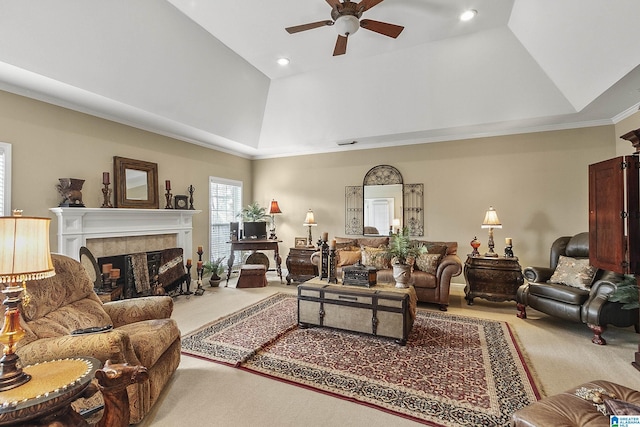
383 204
136 183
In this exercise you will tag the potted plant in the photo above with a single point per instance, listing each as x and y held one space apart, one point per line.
254 219
402 253
626 293
216 268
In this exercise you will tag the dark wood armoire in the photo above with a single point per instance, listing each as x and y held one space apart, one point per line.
614 214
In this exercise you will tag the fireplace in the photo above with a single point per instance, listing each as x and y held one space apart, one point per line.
114 231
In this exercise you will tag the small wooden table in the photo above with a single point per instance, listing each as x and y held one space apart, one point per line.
255 245
299 265
492 278
49 393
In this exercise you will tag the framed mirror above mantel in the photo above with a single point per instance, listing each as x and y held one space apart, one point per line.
136 183
383 203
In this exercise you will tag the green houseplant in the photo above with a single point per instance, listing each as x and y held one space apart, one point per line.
626 293
401 252
254 219
215 268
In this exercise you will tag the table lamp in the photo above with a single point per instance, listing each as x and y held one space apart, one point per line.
274 209
24 255
309 221
491 221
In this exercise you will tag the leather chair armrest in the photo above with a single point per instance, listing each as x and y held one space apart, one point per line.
127 311
537 274
598 296
114 345
449 266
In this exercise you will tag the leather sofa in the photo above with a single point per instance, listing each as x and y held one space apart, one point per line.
143 332
431 287
576 407
589 305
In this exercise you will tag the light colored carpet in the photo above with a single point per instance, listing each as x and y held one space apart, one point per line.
203 393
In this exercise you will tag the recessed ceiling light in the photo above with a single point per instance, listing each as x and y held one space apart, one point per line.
283 61
468 15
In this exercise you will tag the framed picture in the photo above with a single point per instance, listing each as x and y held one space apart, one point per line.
301 242
181 202
135 183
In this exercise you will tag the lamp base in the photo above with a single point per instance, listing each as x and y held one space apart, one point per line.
11 373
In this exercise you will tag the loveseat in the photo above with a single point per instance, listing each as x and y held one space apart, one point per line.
143 332
431 275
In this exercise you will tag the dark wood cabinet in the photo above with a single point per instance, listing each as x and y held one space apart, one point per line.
299 266
613 215
491 278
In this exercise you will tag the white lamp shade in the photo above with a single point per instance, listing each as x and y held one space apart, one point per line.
347 25
491 219
309 219
24 249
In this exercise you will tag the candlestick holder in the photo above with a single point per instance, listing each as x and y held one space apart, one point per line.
106 194
169 198
324 265
188 266
106 282
508 251
199 270
332 266
191 189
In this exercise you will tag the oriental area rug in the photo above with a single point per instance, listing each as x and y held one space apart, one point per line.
453 371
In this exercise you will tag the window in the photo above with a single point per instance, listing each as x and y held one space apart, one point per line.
225 201
5 178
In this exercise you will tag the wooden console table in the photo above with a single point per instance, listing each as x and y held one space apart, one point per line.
492 278
255 245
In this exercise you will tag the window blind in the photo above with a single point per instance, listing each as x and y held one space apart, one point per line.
225 201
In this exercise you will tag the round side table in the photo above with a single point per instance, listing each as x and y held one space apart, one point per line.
52 388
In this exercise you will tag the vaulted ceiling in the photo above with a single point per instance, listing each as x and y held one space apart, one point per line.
205 71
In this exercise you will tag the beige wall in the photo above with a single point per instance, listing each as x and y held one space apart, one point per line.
50 142
537 182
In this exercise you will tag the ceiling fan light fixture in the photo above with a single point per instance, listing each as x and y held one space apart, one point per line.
347 25
468 15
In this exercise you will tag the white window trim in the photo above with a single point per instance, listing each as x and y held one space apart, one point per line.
6 147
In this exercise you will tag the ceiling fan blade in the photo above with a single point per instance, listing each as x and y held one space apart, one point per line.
341 46
310 26
333 3
384 28
367 4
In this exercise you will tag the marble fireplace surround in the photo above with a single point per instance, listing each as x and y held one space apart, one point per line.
115 231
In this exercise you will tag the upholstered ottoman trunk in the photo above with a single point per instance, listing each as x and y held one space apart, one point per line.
380 310
252 276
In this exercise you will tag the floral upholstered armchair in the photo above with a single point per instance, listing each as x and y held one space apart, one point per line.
143 332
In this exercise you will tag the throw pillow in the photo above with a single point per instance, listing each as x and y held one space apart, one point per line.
347 257
428 262
375 257
342 243
574 272
620 407
433 248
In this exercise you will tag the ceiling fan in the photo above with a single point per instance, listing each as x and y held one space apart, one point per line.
346 17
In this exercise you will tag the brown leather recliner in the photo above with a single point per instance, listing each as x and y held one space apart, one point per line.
571 303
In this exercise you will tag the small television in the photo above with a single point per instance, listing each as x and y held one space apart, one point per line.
255 230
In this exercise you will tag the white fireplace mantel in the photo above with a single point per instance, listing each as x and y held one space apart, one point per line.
76 225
